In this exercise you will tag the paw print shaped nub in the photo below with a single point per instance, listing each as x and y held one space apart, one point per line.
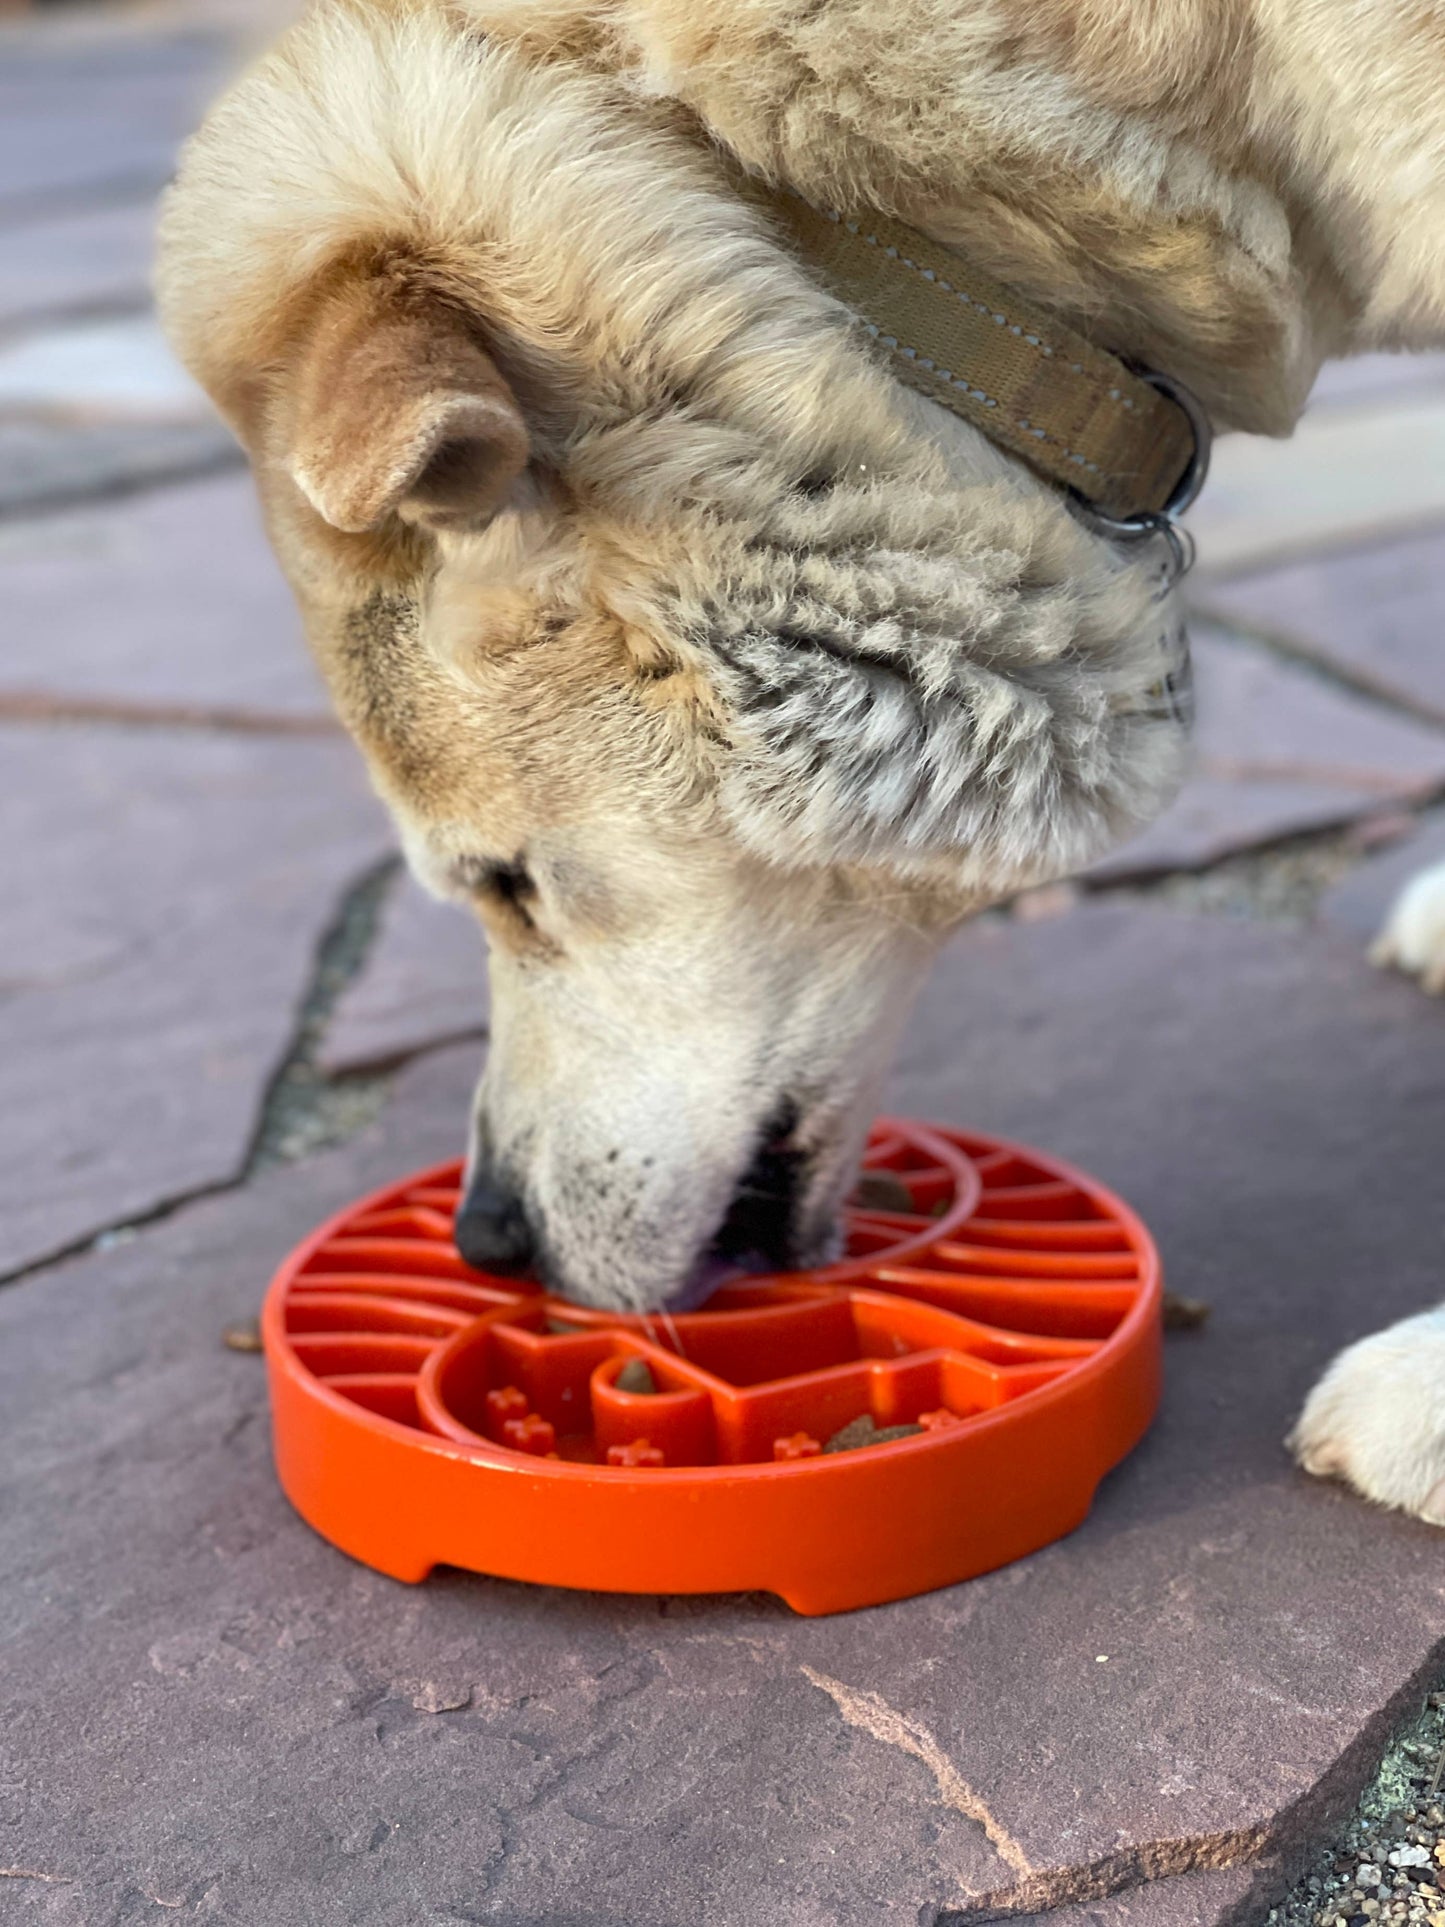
636 1452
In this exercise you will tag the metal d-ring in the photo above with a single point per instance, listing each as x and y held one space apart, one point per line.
1165 521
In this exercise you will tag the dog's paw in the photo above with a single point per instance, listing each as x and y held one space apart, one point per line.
1413 938
1377 1418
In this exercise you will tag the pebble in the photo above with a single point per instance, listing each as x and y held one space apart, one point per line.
430 1697
1388 1862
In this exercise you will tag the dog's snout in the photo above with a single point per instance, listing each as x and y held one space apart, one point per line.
491 1230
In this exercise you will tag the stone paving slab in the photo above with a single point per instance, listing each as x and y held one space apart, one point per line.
266 1732
77 118
89 258
1347 474
1278 751
48 465
164 895
117 367
423 984
170 597
1215 1895
1385 378
1376 614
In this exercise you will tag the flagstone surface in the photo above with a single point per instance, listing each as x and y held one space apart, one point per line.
208 1713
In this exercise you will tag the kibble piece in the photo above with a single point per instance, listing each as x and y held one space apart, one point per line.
1184 1314
881 1191
849 1437
245 1337
636 1377
862 1431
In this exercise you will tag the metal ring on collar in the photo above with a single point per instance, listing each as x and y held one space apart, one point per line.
1131 528
1186 490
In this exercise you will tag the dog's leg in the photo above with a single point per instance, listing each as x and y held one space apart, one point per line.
1413 938
1377 1418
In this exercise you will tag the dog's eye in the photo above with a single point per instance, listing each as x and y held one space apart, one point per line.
509 883
504 885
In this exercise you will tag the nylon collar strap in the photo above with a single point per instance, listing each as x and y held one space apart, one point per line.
1076 414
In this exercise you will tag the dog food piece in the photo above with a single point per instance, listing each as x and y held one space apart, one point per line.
245 1337
862 1431
881 1191
635 1377
848 1437
1184 1314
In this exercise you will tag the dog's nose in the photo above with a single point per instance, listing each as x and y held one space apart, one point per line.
491 1229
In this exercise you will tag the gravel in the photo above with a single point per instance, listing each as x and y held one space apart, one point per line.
305 1110
1389 1863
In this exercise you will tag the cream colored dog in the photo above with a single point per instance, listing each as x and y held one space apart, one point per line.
720 671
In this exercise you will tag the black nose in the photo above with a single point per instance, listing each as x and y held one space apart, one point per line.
491 1230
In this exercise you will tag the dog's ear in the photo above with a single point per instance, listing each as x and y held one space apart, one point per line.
397 409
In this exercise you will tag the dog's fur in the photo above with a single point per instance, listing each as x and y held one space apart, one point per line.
722 673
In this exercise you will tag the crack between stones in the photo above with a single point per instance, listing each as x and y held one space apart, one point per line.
1309 861
116 1231
1326 668
37 706
293 1086
293 1120
115 487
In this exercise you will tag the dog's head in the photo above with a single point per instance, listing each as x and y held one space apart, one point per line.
719 689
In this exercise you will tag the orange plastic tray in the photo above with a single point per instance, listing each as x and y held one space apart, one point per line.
427 1415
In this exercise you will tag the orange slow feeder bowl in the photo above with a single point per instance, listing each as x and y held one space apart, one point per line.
426 1414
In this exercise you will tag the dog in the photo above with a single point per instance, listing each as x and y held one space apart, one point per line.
720 669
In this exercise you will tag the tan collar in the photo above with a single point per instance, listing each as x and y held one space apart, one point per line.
1132 447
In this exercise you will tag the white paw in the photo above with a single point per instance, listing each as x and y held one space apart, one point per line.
1413 938
1377 1418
